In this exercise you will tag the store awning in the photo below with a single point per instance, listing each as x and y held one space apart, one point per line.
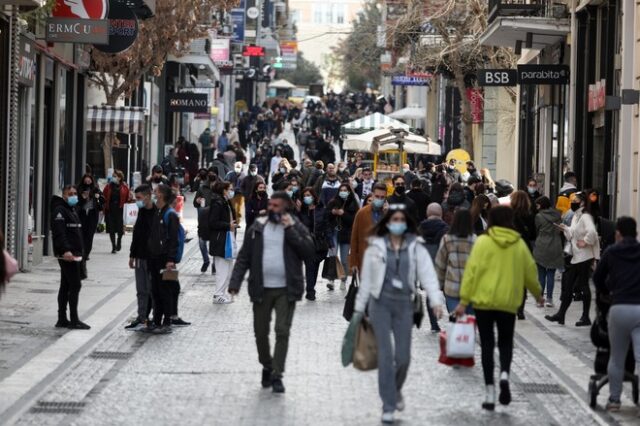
505 31
203 62
410 113
372 122
108 118
281 84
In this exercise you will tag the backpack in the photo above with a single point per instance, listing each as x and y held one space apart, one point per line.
181 233
563 202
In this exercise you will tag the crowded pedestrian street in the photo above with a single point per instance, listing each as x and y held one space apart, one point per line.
208 373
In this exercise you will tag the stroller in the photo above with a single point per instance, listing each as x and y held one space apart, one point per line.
600 339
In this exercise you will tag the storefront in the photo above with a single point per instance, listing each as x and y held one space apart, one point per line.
4 99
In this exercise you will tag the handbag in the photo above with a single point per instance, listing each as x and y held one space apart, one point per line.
230 246
444 359
418 309
350 298
340 272
365 353
461 338
348 342
330 268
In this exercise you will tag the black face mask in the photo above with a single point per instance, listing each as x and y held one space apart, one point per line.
212 178
274 217
400 189
203 176
262 193
575 206
157 179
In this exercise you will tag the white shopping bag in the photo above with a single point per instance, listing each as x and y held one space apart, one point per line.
461 338
130 214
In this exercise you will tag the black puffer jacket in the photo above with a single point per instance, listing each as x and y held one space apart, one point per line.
220 216
298 247
66 230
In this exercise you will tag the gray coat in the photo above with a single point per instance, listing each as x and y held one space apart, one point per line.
548 250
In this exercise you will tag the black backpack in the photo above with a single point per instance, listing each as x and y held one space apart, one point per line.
203 223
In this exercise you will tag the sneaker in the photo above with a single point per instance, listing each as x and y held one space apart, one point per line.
489 403
276 385
266 378
521 315
540 305
583 322
310 297
330 286
165 329
221 300
62 323
400 406
505 392
343 285
204 268
78 325
435 330
179 322
149 328
387 418
613 406
549 303
135 324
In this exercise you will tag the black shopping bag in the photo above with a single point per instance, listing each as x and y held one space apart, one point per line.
350 299
330 268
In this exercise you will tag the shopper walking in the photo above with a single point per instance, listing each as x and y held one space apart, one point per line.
399 196
312 215
66 235
432 230
364 221
222 225
90 204
341 213
524 222
547 250
452 257
393 263
236 177
138 255
499 268
257 203
201 202
585 248
116 194
273 251
618 274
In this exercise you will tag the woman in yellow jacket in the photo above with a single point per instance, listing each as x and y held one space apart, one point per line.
499 268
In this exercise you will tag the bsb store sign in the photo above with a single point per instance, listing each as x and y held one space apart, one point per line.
525 74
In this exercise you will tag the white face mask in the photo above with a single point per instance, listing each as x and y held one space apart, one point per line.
238 170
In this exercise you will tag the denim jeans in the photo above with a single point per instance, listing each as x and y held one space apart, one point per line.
547 280
204 251
452 303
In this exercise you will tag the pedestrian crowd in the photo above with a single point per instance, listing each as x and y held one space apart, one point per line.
475 245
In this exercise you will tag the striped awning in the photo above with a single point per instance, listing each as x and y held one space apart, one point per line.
107 118
374 121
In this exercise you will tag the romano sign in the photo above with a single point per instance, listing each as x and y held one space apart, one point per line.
543 74
188 102
72 30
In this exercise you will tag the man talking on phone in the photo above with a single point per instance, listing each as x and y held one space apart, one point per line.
273 251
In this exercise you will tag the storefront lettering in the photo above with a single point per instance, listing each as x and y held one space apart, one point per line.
77 28
69 30
190 103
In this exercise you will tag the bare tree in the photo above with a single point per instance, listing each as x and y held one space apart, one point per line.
448 42
170 31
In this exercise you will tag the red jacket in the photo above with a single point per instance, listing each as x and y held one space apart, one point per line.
124 195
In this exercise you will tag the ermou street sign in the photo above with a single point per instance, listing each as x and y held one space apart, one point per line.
73 30
187 102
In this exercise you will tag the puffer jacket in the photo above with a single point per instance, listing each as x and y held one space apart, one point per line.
583 229
547 250
374 267
66 230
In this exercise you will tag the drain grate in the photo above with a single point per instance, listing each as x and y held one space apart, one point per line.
42 291
549 388
110 355
58 407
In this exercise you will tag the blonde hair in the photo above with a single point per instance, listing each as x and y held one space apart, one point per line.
486 177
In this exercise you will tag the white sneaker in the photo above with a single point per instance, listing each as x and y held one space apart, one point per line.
400 406
387 418
222 300
549 303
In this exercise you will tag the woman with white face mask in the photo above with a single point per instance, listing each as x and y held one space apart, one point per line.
342 211
394 261
222 219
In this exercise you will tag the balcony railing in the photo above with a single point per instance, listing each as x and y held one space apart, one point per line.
526 8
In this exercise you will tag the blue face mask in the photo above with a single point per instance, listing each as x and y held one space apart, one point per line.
377 204
295 189
231 194
308 200
397 228
140 204
290 194
343 194
72 200
154 199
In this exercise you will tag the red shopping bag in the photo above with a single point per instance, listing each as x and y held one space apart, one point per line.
444 359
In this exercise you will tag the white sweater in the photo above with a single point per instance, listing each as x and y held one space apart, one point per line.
583 229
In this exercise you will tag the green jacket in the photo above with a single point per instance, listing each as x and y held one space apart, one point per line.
498 270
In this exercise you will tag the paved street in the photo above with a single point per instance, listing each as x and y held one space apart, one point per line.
208 373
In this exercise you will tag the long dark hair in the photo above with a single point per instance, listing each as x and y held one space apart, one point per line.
338 200
462 226
254 193
381 230
501 216
477 207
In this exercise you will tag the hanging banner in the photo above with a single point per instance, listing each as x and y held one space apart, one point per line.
405 80
26 62
498 77
237 20
219 50
476 99
123 28
266 10
289 54
543 74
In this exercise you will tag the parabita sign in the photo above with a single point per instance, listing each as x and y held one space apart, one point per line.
188 102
